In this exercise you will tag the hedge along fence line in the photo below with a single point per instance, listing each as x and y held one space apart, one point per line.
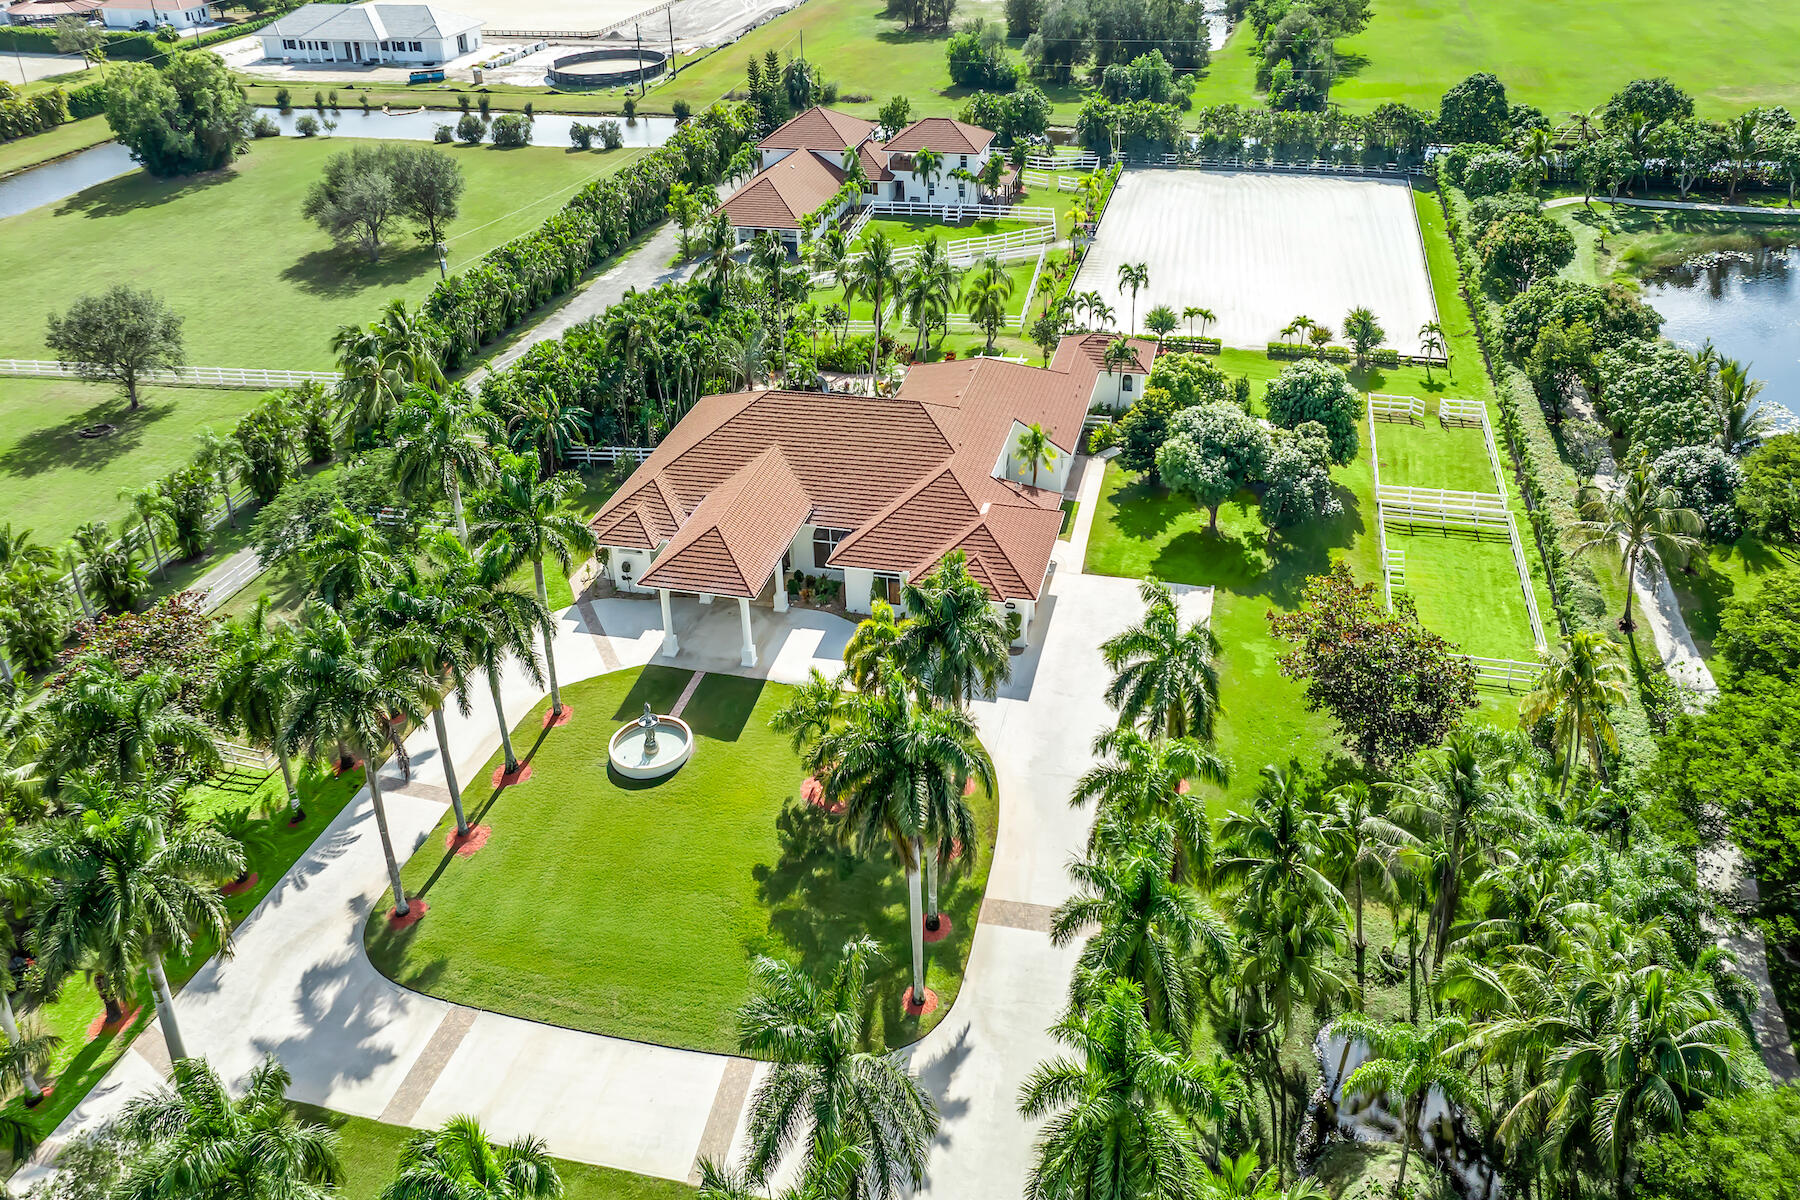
22 116
1546 480
476 306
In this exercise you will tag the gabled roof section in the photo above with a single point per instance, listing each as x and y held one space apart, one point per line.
943 135
366 22
874 163
1092 348
736 537
1008 550
779 196
642 516
819 129
924 516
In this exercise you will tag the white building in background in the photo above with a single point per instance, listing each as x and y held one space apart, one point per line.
148 14
418 35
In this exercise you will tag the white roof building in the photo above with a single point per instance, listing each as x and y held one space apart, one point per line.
400 34
134 14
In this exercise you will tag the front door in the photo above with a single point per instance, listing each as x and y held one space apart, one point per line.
353 51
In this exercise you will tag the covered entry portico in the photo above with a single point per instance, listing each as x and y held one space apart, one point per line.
747 654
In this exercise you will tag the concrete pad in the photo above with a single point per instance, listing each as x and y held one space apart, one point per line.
130 1076
598 1099
1261 249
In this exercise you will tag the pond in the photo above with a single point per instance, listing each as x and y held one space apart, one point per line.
1748 304
65 177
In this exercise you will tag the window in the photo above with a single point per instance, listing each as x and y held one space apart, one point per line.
962 189
417 46
288 44
824 542
1125 382
887 587
964 162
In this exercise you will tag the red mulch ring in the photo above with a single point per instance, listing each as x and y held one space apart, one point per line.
501 779
942 931
34 1101
552 721
100 1025
1183 788
466 844
813 792
296 822
919 1010
969 788
340 769
238 887
415 909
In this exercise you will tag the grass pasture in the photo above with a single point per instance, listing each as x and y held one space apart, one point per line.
636 910
257 283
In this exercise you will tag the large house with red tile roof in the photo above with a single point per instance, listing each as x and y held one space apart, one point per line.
874 491
802 168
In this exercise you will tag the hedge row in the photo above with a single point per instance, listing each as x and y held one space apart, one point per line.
1337 354
1545 478
478 305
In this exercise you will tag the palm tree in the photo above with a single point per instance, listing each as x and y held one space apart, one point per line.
1407 1062
129 728
1539 152
440 440
1432 343
1643 520
524 519
123 888
1119 352
1088 302
823 1085
872 645
250 692
1164 674
458 1160
1161 321
151 506
926 287
1134 276
500 622
381 363
985 296
74 553
1035 447
1146 927
194 1138
927 163
1581 683
881 760
1273 851
953 644
1206 315
1743 422
1142 782
874 277
1119 1107
1358 852
1744 149
836 1174
542 423
349 687
26 1051
347 558
221 457
721 244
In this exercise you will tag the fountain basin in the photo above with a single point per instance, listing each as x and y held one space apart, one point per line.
674 746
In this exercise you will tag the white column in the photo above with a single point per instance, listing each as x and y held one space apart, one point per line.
670 645
781 589
748 658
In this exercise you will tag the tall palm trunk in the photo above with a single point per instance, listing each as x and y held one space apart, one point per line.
1362 943
1631 557
87 610
512 762
443 738
225 490
165 1005
537 565
932 918
155 550
297 814
109 998
373 774
34 1091
456 509
913 908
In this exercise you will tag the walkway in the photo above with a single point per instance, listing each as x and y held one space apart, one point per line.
1753 210
300 986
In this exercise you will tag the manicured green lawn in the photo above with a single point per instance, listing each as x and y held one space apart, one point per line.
257 283
910 231
636 910
1726 573
79 1063
1433 456
369 1150
66 138
52 481
1569 57
1641 241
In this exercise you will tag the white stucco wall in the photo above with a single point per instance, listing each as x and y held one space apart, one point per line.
1111 390
129 18
432 51
618 558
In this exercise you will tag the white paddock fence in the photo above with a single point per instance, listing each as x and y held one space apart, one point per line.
218 377
590 455
1409 410
1062 162
1044 179
952 213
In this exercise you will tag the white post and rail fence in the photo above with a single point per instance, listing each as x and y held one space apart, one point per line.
208 377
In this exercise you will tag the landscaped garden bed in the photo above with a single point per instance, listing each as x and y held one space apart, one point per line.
636 909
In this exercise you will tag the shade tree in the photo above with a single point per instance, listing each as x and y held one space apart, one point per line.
186 117
118 336
1312 390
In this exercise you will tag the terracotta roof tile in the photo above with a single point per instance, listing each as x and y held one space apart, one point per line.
1092 347
943 135
819 129
779 196
736 537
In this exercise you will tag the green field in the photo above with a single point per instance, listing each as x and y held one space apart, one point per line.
258 284
636 910
912 231
1630 243
52 481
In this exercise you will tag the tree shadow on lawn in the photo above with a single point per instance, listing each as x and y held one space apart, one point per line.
139 190
344 271
59 447
1373 379
1243 557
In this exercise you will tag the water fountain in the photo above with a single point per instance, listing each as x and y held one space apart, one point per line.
651 746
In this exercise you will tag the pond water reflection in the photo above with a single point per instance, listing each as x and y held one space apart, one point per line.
1748 303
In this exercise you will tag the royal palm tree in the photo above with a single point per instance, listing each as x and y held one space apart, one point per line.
123 888
1164 675
1133 276
500 622
1035 448
985 296
442 439
1146 928
872 646
153 510
195 1138
1432 343
251 689
824 1088
458 1160
953 644
880 760
813 709
525 519
349 688
222 458
1583 681
128 728
1641 519
1119 1107
1140 782
1408 1062
347 558
874 277
1743 420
